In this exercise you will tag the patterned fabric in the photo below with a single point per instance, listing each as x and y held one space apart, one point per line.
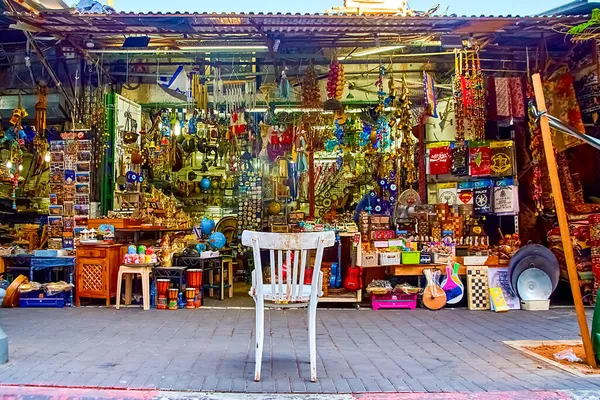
517 104
509 98
562 104
503 107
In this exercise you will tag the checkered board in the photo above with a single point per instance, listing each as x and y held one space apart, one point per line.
477 288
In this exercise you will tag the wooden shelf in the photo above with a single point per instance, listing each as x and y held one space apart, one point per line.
417 269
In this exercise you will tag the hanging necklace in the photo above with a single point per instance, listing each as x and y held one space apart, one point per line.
459 115
478 97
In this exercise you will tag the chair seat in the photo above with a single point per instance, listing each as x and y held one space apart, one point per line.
269 295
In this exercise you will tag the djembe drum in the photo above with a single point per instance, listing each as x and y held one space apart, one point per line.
173 294
162 287
194 280
190 297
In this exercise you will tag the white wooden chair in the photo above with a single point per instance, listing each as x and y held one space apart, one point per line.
291 292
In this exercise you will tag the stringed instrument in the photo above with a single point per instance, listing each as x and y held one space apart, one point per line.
353 280
452 285
434 296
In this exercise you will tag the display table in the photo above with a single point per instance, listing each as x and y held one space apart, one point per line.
97 271
137 232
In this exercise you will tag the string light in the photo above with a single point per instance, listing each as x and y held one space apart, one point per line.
9 164
20 168
47 157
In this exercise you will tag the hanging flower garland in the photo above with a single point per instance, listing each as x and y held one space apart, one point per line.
469 96
457 93
381 122
478 98
407 146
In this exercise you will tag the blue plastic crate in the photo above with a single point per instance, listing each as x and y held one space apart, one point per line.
37 298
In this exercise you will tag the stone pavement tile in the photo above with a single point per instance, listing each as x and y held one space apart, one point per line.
399 384
341 385
385 385
138 381
182 381
224 384
253 387
71 380
313 387
238 385
8 372
413 384
195 383
356 385
267 384
53 378
167 381
283 385
125 380
430 385
210 384
153 381
298 385
327 385
22 377
370 385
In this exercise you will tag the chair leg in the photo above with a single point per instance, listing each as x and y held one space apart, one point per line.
230 279
128 288
119 284
260 336
312 339
146 289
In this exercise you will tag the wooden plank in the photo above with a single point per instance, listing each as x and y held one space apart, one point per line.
562 221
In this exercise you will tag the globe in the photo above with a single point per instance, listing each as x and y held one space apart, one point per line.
206 226
217 240
274 208
205 184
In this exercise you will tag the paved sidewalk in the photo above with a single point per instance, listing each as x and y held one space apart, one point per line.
50 393
449 351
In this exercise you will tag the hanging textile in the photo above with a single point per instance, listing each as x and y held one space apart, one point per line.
562 104
505 98
430 100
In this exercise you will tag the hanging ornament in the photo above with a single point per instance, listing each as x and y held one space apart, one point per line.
407 145
284 86
335 80
311 96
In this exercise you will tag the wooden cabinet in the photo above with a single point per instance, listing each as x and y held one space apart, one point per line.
97 271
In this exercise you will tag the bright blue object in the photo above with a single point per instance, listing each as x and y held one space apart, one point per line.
206 226
132 249
205 184
217 240
200 247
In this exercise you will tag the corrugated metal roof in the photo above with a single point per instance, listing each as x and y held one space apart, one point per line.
321 29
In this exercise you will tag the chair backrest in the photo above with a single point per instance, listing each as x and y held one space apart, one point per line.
283 248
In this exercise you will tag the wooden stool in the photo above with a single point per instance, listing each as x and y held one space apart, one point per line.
227 264
129 270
